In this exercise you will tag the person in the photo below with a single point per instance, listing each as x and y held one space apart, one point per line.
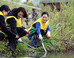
4 32
34 14
39 28
13 22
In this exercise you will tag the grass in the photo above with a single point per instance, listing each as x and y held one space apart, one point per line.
61 27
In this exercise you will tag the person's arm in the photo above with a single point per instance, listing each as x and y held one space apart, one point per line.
38 28
3 27
47 28
38 31
12 23
48 32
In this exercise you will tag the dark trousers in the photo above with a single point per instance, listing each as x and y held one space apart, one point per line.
2 36
12 43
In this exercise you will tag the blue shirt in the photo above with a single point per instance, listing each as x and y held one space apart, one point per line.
38 28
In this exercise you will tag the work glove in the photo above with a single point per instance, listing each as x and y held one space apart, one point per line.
48 34
26 31
40 37
20 40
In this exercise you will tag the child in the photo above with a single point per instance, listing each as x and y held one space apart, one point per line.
39 28
4 10
14 24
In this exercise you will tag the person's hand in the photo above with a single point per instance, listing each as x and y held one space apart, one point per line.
48 34
40 37
17 36
26 31
20 40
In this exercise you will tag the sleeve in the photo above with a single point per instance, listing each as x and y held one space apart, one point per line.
47 28
12 23
38 28
3 27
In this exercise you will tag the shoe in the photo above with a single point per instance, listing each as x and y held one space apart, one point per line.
12 48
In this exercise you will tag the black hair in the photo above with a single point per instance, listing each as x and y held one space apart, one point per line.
45 13
4 7
23 10
15 11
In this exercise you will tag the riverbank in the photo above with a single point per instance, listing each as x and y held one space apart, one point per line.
24 50
36 54
61 27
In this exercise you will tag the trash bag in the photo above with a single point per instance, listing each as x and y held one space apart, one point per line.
35 42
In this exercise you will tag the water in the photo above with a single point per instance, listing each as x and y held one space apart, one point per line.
49 55
36 54
61 55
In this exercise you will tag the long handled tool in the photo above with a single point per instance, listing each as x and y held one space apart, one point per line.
44 49
33 47
25 43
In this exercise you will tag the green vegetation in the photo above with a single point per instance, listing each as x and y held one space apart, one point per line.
29 3
61 26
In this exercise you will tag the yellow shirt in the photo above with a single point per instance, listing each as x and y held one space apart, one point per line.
43 25
18 21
